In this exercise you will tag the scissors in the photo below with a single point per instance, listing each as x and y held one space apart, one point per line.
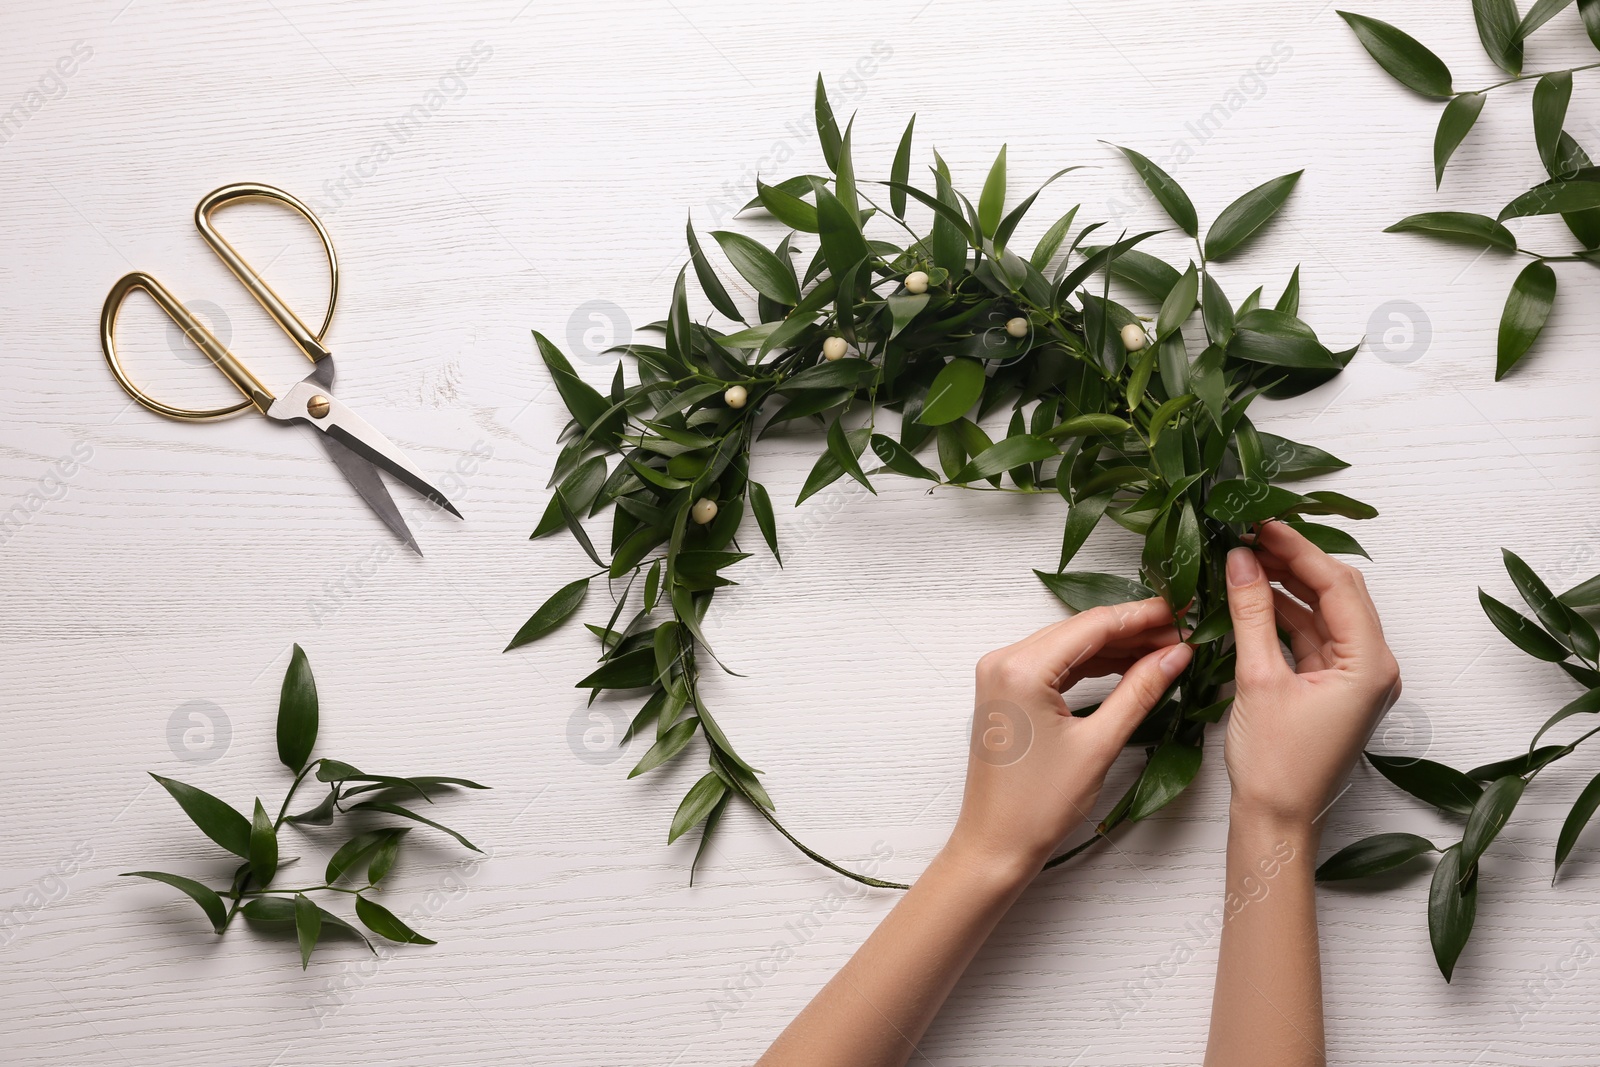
355 447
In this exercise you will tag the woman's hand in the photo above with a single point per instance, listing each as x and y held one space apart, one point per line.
1035 769
1294 734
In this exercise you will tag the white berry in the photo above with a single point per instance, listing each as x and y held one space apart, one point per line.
735 396
703 511
1133 337
1017 327
917 282
833 348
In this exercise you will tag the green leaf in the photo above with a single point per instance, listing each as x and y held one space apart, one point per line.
1373 855
1083 517
632 670
1268 336
1555 197
1082 590
704 795
352 852
1518 765
1587 704
1563 623
1168 193
1216 309
1590 12
307 927
1324 502
575 525
1006 455
1527 309
830 466
667 746
552 613
1540 13
1169 771
1330 539
761 504
1094 422
384 857
1550 99
579 488
903 308
1497 28
263 846
1462 226
1583 810
297 712
840 233
1403 56
383 922
954 390
831 374
1289 302
1521 631
1489 814
845 448
827 127
1430 782
1242 218
900 171
208 899
787 208
759 266
406 813
1455 122
216 819
1179 304
1050 243
709 282
1243 502
1452 905
992 201
1290 460
582 399
899 459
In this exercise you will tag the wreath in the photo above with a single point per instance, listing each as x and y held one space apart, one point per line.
899 345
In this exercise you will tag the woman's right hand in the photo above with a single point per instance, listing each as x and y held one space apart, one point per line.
1294 734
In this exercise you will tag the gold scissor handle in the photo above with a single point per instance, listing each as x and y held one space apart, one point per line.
247 383
309 343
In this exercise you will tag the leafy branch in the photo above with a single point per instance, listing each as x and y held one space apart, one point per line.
908 349
256 839
1486 796
1573 188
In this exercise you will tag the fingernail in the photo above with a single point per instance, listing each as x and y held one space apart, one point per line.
1243 569
1176 659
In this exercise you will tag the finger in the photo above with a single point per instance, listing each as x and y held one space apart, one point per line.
1342 598
1134 697
1280 575
1059 649
1116 659
1301 625
1255 631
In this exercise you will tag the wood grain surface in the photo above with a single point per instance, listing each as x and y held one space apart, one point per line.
155 564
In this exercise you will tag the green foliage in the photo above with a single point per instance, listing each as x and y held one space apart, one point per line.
941 336
1573 191
257 839
1559 632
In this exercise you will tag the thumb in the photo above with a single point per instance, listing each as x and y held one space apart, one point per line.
1255 631
1141 686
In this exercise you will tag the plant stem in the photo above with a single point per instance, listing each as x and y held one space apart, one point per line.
1526 77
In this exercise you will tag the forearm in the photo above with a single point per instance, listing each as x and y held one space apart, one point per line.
875 1010
1267 1006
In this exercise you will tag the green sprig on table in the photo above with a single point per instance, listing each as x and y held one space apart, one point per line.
353 796
1573 188
896 349
1487 796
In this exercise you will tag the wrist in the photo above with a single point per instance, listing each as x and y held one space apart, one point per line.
1260 821
986 867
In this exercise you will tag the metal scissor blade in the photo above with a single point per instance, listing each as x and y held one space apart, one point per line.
363 477
339 422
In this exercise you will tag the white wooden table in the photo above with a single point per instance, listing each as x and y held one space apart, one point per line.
159 569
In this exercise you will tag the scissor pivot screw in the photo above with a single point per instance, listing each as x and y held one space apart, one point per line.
318 406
